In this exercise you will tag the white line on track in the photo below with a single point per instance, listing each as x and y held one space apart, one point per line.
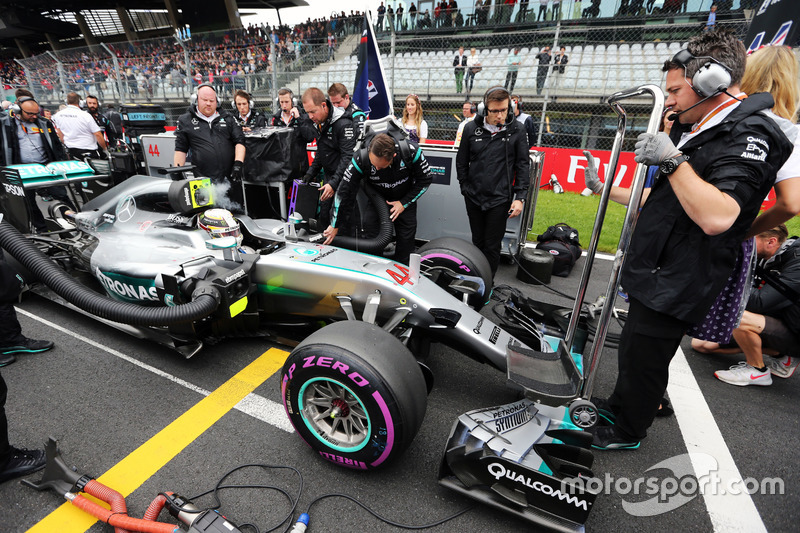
728 512
254 405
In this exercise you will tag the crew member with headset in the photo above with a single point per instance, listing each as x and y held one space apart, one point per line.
28 138
290 115
246 116
106 126
400 174
716 167
493 170
335 146
216 142
79 131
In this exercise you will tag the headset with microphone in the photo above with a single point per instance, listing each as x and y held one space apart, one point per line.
249 97
712 78
193 97
483 107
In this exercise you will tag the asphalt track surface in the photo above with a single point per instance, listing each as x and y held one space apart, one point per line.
144 420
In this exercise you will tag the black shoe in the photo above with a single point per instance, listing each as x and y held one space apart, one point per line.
22 462
608 438
604 409
27 345
6 359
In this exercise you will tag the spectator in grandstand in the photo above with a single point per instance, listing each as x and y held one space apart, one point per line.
556 13
771 322
542 10
80 133
525 119
691 224
401 23
390 17
560 61
468 112
339 97
425 20
593 11
381 13
711 21
493 171
412 16
413 122
290 116
544 65
217 150
459 66
245 116
331 46
400 174
513 61
473 67
25 137
335 145
774 69
523 11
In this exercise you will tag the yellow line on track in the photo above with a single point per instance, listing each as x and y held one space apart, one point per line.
130 473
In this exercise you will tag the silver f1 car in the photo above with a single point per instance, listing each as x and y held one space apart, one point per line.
135 258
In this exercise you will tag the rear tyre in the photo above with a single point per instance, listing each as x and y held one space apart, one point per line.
354 393
446 258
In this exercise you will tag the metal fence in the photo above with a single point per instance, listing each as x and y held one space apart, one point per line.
603 56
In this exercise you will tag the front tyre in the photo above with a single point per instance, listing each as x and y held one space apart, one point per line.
447 259
354 393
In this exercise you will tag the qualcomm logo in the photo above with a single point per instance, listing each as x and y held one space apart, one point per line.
498 471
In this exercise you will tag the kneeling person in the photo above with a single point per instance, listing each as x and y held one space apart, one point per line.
400 175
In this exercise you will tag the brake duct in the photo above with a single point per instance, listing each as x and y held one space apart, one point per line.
205 299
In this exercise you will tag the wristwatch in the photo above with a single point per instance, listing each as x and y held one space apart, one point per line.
668 166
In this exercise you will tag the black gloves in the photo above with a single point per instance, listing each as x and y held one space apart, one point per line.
237 173
308 178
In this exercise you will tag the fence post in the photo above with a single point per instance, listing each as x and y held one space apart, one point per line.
61 76
547 81
116 69
27 77
186 60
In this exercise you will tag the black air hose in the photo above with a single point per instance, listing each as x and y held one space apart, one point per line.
376 244
84 298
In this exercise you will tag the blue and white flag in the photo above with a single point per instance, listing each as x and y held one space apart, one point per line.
371 92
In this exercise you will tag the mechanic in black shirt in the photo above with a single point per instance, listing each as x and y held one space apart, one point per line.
93 108
493 170
712 181
26 137
335 146
289 115
246 116
216 142
399 179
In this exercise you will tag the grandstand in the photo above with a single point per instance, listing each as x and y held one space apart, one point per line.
609 51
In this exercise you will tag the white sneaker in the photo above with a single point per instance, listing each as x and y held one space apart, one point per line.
744 374
782 367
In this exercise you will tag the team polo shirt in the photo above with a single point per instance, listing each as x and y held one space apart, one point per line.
78 128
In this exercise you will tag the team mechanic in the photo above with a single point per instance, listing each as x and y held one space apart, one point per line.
335 146
247 117
686 242
399 180
339 97
216 142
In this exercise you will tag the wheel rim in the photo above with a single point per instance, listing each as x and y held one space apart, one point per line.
334 415
584 416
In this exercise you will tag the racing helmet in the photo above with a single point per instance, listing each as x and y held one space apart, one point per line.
220 223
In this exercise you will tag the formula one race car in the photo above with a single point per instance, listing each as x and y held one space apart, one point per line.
154 257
